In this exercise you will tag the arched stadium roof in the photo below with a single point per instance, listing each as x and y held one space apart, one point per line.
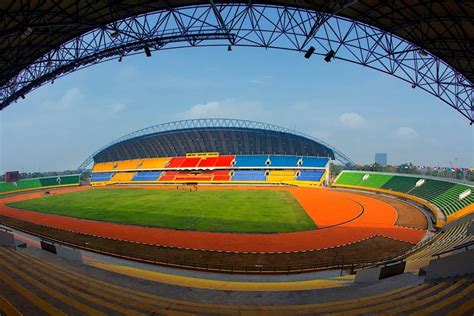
429 44
226 136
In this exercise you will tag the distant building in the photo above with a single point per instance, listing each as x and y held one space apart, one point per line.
381 159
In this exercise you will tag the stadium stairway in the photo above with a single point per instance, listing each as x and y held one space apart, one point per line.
33 285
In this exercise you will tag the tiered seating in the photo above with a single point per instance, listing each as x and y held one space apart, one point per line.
153 163
314 162
431 189
176 162
168 175
274 164
281 176
37 183
443 194
216 162
349 178
400 184
190 162
101 177
251 161
449 200
103 166
123 177
310 175
221 175
448 239
127 164
38 286
224 161
249 175
147 176
189 176
375 180
25 184
284 161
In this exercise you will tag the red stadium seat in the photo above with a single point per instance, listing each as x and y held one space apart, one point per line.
224 161
168 176
190 162
176 162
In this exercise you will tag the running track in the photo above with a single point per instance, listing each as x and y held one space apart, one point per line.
339 213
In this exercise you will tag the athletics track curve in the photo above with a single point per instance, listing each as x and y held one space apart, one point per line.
322 205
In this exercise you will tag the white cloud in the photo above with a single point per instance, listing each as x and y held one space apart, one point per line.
69 99
260 80
116 108
352 120
406 132
225 109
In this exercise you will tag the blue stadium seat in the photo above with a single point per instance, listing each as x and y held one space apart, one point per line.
315 162
284 161
249 175
250 161
310 175
99 177
147 176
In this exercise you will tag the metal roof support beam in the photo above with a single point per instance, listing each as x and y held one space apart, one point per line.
330 9
244 25
221 21
214 122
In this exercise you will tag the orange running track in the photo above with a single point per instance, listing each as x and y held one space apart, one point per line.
339 215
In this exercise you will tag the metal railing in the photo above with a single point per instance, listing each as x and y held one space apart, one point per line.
464 246
335 263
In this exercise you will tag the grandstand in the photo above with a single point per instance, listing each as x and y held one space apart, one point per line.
39 183
453 200
271 169
426 44
236 154
40 283
450 238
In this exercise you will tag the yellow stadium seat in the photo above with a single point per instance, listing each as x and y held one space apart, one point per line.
128 164
154 163
103 166
121 177
281 176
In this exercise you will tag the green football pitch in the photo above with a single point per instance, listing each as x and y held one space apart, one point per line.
257 211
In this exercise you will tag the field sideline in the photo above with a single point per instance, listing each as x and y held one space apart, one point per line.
245 211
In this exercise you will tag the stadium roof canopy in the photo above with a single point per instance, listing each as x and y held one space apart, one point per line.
429 44
226 136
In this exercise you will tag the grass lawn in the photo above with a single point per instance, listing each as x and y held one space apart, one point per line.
205 210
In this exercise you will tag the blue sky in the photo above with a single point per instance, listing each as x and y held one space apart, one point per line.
357 110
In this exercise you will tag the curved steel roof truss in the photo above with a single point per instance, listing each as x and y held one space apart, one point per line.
251 25
214 122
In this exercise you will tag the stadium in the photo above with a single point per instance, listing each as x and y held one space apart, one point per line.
228 216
